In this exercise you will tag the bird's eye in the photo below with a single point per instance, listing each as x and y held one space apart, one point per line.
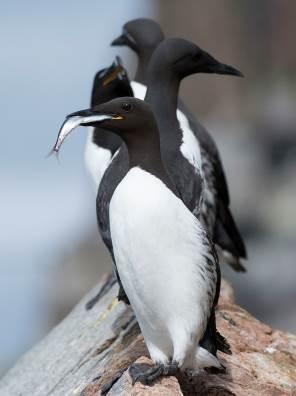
126 107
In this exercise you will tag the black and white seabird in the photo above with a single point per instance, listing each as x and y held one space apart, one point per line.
164 257
109 83
173 60
143 36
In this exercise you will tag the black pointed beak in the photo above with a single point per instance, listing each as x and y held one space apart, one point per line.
121 40
211 65
222 68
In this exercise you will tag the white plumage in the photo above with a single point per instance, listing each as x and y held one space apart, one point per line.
139 90
162 260
97 159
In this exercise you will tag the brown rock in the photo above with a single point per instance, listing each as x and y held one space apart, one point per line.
90 348
226 293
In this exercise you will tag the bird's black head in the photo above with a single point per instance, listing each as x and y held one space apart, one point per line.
110 83
140 35
183 58
124 116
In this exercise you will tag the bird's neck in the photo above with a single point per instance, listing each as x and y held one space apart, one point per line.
145 153
162 95
144 57
144 149
105 139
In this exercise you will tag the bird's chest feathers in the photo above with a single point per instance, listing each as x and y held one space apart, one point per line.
139 204
189 147
97 159
139 90
143 218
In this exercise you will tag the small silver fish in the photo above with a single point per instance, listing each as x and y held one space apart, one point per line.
72 122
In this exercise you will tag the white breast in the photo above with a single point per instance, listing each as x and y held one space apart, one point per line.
160 256
139 90
97 159
190 146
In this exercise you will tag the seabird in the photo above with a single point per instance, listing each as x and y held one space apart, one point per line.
173 60
109 83
164 257
143 36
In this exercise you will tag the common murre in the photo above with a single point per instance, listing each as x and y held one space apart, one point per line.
143 36
109 83
157 241
173 60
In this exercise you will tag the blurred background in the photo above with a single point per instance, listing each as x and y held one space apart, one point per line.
50 252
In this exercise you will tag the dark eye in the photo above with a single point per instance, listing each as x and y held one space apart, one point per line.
126 107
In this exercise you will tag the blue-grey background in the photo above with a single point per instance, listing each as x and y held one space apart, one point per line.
50 250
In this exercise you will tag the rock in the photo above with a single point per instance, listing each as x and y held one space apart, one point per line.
123 387
226 293
91 348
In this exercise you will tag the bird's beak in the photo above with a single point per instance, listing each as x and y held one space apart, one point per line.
222 68
87 117
214 66
120 41
118 69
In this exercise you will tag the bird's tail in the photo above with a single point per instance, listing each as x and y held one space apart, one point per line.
228 238
222 344
204 359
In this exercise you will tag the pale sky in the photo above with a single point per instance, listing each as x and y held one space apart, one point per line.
49 54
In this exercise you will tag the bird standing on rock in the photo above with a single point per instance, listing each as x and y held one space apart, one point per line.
143 36
173 60
165 259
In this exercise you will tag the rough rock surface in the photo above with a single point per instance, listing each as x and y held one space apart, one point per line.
89 347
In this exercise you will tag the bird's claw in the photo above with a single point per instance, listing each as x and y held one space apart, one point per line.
149 376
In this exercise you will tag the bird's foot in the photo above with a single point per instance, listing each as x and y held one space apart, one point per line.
150 375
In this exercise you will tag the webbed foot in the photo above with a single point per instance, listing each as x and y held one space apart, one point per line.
147 376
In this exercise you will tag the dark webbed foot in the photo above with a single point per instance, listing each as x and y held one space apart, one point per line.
140 373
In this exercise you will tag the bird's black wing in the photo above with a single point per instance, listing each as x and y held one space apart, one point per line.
225 234
112 177
212 340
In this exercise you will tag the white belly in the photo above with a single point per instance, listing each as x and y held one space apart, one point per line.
160 256
97 159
